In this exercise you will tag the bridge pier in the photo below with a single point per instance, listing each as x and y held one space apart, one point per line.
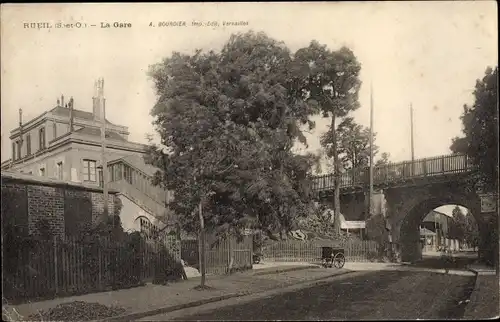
488 229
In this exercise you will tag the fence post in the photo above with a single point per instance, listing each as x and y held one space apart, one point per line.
55 265
226 241
442 164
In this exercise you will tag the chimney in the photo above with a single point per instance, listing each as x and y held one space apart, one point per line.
95 108
21 125
58 102
62 100
20 117
71 116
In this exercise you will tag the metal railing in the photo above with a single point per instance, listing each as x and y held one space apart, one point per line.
392 172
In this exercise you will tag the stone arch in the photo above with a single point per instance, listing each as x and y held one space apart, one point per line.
416 210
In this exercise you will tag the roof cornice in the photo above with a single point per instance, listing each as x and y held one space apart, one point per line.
69 138
52 116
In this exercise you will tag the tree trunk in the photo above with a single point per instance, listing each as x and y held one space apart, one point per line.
202 246
336 173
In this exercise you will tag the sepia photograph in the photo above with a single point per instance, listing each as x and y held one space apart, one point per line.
264 161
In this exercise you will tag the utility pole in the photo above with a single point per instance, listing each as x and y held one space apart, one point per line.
436 234
411 143
370 213
102 106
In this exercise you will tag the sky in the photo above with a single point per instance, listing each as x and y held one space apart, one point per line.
427 54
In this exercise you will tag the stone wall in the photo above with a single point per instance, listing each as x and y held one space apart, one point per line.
65 206
408 206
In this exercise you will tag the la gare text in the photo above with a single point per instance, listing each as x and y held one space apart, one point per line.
77 25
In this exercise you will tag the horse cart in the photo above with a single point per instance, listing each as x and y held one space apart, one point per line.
332 257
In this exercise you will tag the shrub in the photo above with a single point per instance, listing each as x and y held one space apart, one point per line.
167 268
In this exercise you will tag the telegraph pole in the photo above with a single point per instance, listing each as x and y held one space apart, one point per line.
102 107
371 151
411 142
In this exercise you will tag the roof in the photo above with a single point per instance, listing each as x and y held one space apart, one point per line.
63 111
97 132
439 213
137 161
426 232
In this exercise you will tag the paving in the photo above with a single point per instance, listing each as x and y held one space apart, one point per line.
154 299
484 302
266 277
367 296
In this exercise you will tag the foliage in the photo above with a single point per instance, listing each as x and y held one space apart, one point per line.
77 311
171 272
377 230
463 227
320 223
480 126
457 225
458 145
257 242
384 159
471 230
331 79
353 142
227 123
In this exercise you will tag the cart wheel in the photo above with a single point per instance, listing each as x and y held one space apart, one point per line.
339 260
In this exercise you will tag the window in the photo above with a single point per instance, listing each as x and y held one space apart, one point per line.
128 174
101 178
42 138
19 146
59 170
30 173
13 151
89 170
54 130
28 144
117 172
42 172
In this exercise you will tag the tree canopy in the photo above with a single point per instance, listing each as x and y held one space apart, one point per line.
384 159
353 142
464 227
229 120
331 79
480 127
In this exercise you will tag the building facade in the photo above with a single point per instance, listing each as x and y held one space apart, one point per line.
65 144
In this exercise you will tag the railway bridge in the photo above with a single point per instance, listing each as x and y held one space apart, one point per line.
405 192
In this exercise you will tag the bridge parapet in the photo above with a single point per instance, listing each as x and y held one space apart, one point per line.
393 172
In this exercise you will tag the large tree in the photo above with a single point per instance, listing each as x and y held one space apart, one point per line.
480 143
471 230
458 225
229 120
480 126
332 81
353 143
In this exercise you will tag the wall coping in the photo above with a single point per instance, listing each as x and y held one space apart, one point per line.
15 177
